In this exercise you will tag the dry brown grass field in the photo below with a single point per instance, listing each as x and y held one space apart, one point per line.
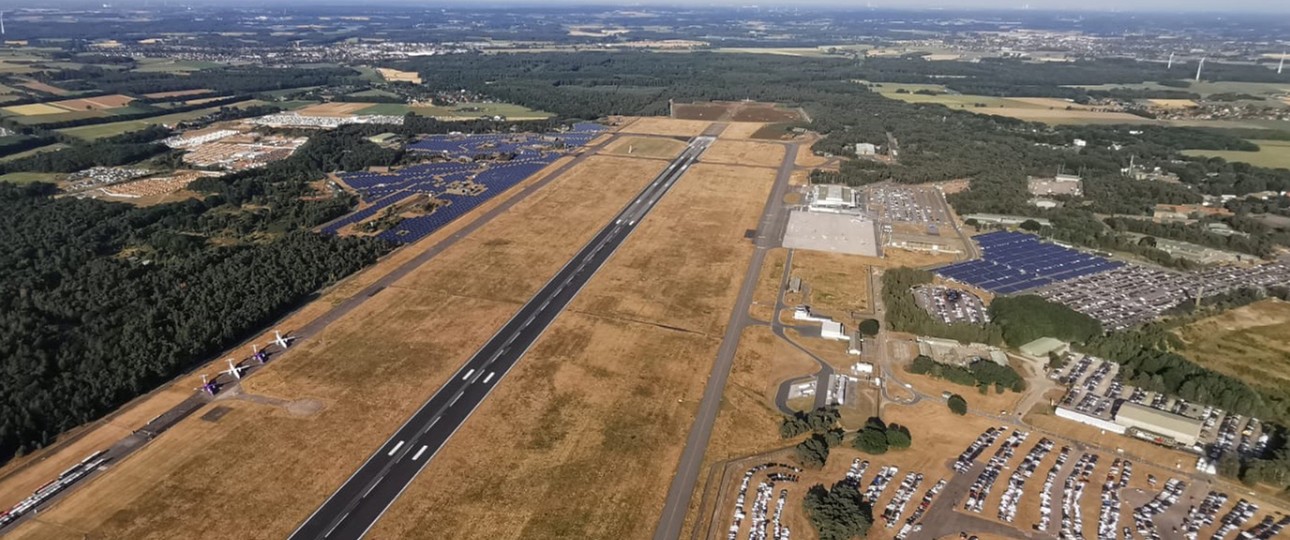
286 465
333 109
43 87
741 130
399 76
586 429
646 147
837 284
1063 116
751 153
699 111
772 270
658 125
94 103
1248 343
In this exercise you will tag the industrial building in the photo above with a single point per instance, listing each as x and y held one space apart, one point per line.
1060 184
831 198
1159 423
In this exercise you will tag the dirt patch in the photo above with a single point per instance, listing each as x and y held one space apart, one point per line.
305 407
333 109
767 113
750 153
699 111
649 147
95 103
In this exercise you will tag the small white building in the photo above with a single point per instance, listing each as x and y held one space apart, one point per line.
856 347
862 369
866 149
833 330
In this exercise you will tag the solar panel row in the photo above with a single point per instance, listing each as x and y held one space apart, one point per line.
1013 262
531 152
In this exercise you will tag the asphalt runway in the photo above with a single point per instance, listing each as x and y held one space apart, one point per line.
357 505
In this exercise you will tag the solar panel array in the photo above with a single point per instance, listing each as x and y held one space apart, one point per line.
1014 262
530 153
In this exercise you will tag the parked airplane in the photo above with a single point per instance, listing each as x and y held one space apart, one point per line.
282 341
234 369
208 386
258 355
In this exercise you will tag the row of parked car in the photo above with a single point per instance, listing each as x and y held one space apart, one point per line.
1045 495
1108 520
783 473
1237 516
974 450
1142 516
1073 490
1202 515
1016 482
896 506
912 524
985 481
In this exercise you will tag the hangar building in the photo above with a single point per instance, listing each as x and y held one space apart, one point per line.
1155 421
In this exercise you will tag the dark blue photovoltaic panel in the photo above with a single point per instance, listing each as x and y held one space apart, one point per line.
1014 262
510 158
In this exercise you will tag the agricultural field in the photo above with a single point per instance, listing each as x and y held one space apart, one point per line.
1205 88
394 75
335 108
1248 343
446 310
735 111
170 65
1273 154
99 131
176 93
652 147
608 391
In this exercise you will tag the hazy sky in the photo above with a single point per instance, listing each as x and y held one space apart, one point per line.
1218 7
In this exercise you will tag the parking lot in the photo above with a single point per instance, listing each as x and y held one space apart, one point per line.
1133 294
905 204
950 305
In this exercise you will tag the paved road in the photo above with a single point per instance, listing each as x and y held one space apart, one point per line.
352 510
129 444
769 230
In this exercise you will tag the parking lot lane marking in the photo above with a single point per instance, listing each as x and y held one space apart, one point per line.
468 374
395 449
489 377
419 452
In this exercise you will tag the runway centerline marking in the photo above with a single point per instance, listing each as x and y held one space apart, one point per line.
419 452
468 374
395 449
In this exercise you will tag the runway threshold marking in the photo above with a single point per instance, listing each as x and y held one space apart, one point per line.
395 449
419 452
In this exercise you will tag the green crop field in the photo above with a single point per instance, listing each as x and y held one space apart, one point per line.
99 131
1274 154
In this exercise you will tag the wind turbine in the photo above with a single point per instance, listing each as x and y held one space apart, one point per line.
1281 65
1199 67
1171 61
1 23
234 370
